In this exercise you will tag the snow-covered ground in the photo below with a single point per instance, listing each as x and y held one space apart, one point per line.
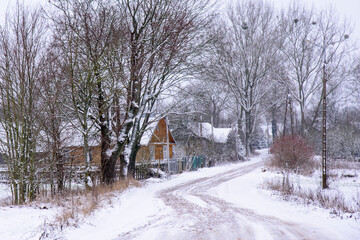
5 192
224 202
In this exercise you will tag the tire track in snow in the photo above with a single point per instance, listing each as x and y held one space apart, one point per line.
198 215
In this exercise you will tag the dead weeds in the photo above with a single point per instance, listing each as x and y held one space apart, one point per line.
76 206
328 199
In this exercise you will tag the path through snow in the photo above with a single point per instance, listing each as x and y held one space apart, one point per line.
199 215
216 203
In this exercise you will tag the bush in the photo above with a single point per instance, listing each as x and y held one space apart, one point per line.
292 153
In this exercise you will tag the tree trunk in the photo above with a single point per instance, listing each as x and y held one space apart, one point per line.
248 132
86 160
274 125
60 171
132 160
108 162
122 166
286 107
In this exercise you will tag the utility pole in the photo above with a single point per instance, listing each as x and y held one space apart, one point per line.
323 137
323 162
167 144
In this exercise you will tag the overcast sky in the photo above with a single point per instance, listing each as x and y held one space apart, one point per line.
348 8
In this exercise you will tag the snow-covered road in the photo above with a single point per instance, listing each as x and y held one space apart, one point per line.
217 203
199 215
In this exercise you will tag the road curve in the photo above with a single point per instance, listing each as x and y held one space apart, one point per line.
199 215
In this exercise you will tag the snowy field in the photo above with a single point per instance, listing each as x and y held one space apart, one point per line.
224 202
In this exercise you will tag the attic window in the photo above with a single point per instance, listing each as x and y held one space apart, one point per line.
157 128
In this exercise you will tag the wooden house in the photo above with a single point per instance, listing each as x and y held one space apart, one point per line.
155 141
74 155
153 145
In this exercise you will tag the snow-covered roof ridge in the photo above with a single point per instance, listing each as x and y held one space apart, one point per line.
149 131
220 135
73 137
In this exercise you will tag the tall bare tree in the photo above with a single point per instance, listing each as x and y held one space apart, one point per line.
51 117
88 38
21 45
161 37
313 40
245 58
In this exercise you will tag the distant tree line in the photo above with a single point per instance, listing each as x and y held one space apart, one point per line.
264 67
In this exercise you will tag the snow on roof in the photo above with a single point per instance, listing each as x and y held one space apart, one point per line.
70 136
145 140
220 134
73 137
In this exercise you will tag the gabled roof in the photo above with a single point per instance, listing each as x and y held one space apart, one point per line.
150 132
150 129
73 137
220 134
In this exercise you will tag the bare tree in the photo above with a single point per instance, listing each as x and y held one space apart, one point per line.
21 44
313 40
162 35
88 38
209 99
51 117
245 58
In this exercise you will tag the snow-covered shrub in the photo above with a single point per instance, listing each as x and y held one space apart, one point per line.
231 147
292 153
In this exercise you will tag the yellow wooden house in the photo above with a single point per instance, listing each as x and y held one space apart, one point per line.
156 140
153 145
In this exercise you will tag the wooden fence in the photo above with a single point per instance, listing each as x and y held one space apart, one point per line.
142 171
174 166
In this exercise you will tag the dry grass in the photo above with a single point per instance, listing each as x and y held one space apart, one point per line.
343 164
328 199
306 170
5 202
78 204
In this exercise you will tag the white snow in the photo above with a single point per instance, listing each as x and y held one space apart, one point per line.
5 192
171 208
220 135
145 139
252 197
23 222
73 137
